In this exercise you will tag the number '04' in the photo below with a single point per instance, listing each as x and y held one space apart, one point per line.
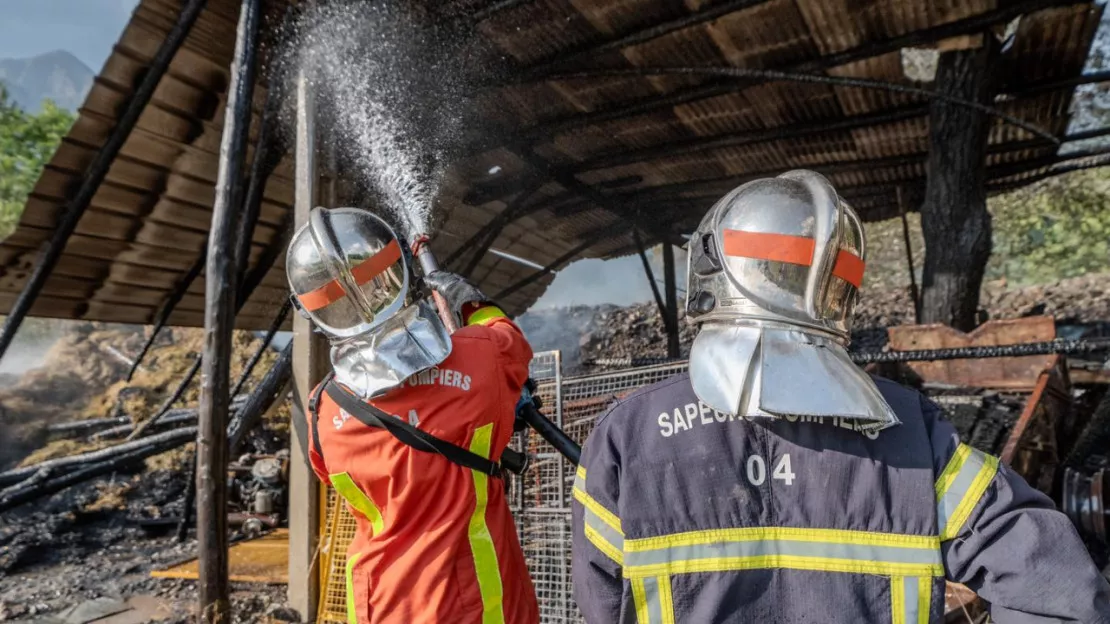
757 470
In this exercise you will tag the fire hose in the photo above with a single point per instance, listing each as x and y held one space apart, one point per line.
528 408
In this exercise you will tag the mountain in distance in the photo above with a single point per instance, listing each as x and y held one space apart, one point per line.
57 75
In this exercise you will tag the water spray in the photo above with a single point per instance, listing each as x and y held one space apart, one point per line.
395 93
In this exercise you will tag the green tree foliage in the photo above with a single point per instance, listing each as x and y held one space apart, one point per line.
27 142
1052 230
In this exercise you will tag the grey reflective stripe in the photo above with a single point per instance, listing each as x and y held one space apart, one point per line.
784 553
651 597
910 599
604 530
960 486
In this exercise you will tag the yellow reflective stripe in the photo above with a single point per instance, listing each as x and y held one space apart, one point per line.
352 610
785 562
924 599
824 536
481 542
589 503
345 486
960 487
603 527
944 481
666 600
897 600
484 315
639 599
603 545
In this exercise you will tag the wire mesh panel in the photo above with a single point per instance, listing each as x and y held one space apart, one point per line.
539 499
339 531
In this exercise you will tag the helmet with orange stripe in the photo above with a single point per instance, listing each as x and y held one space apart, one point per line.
774 272
351 276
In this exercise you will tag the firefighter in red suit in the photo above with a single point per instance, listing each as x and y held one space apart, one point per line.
411 426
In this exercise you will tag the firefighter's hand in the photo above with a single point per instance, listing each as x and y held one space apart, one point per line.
459 293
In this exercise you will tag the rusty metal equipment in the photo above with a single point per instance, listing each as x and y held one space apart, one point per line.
1084 501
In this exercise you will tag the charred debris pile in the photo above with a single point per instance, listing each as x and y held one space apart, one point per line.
584 334
85 477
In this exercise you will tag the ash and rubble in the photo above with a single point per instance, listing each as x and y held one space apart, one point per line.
586 333
96 543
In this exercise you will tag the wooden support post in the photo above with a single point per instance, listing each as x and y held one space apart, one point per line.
221 293
670 292
98 170
309 366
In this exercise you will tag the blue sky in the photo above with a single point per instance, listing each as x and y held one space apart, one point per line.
86 28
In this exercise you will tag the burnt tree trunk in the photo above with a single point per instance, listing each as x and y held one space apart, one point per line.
954 217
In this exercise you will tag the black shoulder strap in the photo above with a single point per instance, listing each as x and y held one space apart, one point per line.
314 412
407 434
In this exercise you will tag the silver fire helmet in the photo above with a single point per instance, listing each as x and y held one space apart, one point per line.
351 276
774 272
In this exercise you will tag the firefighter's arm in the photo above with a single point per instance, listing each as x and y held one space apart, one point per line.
473 307
1006 541
597 538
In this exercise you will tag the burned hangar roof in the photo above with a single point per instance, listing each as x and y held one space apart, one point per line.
588 160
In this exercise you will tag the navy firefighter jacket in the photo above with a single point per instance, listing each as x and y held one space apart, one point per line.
685 515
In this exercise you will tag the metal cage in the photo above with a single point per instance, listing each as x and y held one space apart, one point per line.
539 499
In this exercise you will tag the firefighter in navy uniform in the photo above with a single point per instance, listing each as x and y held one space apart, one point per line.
410 428
778 483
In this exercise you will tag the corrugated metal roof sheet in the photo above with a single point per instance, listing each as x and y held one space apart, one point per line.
147 224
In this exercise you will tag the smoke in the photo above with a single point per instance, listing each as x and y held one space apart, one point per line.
394 93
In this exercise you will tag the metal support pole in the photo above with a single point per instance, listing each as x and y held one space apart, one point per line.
651 281
219 320
98 170
670 287
909 256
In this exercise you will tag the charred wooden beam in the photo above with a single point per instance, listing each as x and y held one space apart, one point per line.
497 7
90 468
909 255
970 25
625 212
219 321
261 398
503 219
62 464
172 300
676 190
651 281
670 287
274 328
507 216
267 156
98 170
594 238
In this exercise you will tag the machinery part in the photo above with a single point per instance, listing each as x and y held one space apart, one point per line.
267 470
263 502
1084 501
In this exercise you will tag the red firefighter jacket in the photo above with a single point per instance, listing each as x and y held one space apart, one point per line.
435 541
